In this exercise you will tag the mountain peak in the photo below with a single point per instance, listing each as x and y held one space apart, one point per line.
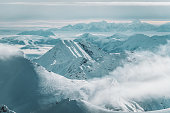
76 59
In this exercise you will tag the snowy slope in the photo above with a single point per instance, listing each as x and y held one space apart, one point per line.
77 59
101 41
73 106
105 43
26 87
85 57
164 28
30 88
144 42
136 42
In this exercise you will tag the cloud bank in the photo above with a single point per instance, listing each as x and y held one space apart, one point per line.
7 51
145 76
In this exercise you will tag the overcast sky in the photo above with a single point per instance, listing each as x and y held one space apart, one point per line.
84 0
58 10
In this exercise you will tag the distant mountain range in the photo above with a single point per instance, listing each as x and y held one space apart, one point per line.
44 33
104 26
119 43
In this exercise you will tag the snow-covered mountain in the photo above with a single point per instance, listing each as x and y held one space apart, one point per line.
119 43
105 43
28 87
91 56
137 42
104 26
131 85
77 59
44 33
164 28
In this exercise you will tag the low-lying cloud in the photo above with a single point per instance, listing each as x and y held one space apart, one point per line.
144 75
7 51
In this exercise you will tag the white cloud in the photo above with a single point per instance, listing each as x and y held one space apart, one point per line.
7 51
146 78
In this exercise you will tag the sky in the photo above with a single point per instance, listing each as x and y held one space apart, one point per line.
65 11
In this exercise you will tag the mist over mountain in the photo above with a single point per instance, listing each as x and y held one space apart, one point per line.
84 56
30 88
86 68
